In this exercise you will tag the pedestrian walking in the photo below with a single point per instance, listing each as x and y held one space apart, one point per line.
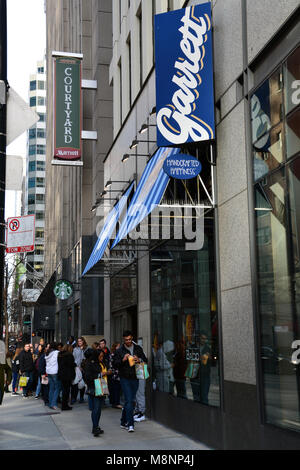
5 371
125 359
52 373
66 374
78 353
115 391
15 367
94 368
26 368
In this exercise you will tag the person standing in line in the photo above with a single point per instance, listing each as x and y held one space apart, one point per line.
40 350
5 371
115 381
52 372
93 369
125 359
140 401
43 375
78 353
71 341
26 368
66 373
15 365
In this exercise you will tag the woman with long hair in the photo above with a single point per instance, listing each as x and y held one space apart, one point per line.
93 369
78 353
52 372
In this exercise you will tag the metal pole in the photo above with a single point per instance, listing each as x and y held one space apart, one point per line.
3 78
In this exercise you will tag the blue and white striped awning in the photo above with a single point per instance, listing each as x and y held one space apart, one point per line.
108 228
149 192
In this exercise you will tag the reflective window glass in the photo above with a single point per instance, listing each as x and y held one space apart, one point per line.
292 81
266 107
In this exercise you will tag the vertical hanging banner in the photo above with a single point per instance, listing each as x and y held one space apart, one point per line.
184 76
67 108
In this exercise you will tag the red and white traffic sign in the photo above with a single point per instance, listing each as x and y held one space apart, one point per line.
20 234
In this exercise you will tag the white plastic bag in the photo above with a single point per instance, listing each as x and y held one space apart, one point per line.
78 376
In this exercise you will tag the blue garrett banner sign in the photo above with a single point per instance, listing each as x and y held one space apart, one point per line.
184 76
183 167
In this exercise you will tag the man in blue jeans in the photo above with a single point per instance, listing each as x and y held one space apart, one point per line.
124 360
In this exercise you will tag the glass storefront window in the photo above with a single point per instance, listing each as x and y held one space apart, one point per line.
184 321
277 214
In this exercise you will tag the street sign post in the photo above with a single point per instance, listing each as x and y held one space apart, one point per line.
20 234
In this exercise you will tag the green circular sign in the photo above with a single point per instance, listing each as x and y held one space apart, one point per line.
63 289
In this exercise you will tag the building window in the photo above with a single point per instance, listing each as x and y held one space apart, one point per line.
32 101
31 166
40 166
41 85
31 183
39 233
41 70
39 215
41 133
32 133
40 182
40 198
275 113
42 117
41 101
32 149
33 85
41 149
31 199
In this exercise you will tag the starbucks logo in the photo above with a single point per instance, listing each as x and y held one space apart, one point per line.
63 290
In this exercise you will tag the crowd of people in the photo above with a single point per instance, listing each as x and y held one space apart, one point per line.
63 374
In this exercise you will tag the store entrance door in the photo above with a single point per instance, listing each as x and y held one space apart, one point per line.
125 319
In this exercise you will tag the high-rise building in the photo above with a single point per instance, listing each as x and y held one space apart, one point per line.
36 166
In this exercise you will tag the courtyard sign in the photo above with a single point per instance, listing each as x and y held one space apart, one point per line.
184 76
67 108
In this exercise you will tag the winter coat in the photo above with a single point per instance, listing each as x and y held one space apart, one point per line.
51 363
26 361
66 366
15 365
78 354
5 370
125 370
92 370
42 365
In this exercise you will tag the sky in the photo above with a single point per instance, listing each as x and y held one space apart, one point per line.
26 44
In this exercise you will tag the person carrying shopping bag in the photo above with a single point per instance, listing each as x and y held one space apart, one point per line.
94 369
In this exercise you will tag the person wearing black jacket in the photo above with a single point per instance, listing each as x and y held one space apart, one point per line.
66 373
42 374
124 360
26 367
93 368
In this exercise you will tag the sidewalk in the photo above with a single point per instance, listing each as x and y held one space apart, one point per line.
26 424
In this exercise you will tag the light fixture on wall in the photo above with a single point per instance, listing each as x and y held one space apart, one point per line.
153 111
145 127
135 143
110 182
126 156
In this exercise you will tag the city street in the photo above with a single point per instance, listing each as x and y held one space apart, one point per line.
26 424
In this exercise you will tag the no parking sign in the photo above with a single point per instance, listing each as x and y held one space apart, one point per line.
20 234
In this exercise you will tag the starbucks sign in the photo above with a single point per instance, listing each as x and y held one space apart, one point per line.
63 289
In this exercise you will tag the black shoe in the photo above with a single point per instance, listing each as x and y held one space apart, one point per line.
97 431
66 408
